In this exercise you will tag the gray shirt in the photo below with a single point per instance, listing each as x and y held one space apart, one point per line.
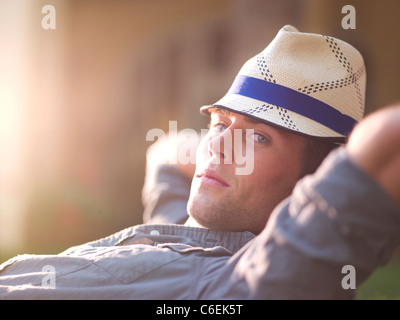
336 217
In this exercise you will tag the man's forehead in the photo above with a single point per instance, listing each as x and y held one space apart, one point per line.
228 113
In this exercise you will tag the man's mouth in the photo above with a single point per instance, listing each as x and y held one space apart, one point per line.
209 176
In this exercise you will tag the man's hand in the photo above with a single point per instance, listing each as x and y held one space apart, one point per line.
178 150
374 145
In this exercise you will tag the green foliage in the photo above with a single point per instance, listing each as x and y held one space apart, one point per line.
383 284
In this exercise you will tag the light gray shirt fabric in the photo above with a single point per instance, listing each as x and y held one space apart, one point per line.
142 262
336 217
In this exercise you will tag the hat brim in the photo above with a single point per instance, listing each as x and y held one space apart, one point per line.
279 118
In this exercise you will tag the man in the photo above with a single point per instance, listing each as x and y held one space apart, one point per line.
301 95
182 262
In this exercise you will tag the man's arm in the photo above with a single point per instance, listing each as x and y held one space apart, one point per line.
176 150
169 170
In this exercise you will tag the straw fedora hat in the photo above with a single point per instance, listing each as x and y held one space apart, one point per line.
307 83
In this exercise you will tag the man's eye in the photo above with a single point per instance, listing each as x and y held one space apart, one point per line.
219 127
260 138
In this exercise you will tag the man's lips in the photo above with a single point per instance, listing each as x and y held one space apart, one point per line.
209 176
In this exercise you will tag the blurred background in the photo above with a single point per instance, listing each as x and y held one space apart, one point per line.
77 101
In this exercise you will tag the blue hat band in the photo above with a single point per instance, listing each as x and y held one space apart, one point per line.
294 101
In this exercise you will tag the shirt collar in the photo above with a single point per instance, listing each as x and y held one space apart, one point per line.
232 241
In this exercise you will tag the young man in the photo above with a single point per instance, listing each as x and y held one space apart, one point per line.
300 96
272 98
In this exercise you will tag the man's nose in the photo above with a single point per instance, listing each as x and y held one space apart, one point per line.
220 147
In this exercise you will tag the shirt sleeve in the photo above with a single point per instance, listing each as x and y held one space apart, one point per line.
166 190
337 219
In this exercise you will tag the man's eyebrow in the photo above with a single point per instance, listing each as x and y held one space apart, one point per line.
251 120
230 113
283 133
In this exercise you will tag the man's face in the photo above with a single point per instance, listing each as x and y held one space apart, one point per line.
221 199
